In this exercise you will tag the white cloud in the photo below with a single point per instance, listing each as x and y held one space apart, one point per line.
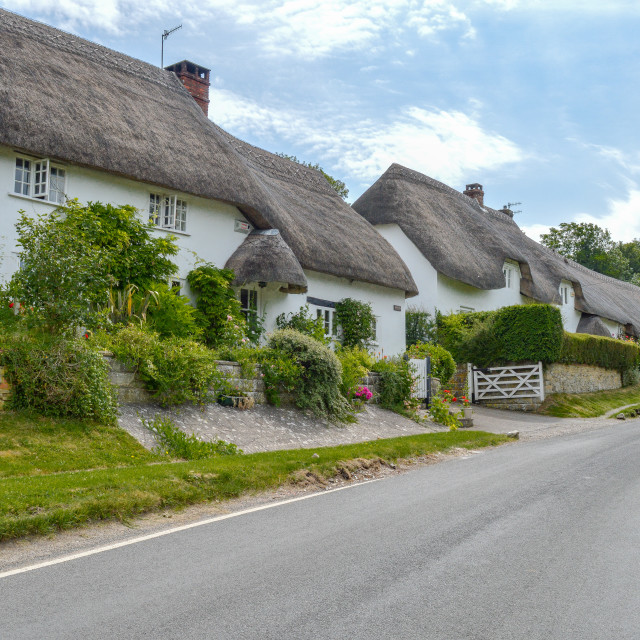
305 28
622 218
447 145
534 231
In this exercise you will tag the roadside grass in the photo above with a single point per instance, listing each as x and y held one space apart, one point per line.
630 412
35 445
589 405
58 496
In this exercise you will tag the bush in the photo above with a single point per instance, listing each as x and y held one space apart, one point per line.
356 321
356 363
443 365
420 326
609 353
173 315
73 255
517 333
303 322
320 374
177 370
396 386
219 310
58 377
175 442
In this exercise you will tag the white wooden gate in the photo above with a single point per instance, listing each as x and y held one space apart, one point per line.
518 381
421 376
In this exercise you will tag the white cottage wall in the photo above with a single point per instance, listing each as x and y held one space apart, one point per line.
210 231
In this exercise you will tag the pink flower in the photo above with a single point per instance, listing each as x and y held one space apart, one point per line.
229 318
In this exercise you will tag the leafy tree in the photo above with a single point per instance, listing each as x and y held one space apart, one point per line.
420 326
631 251
339 186
589 245
71 257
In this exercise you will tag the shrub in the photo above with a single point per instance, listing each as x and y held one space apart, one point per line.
177 370
219 310
439 412
303 322
420 326
356 321
356 363
58 376
517 333
396 386
320 373
173 315
443 365
175 442
609 353
529 332
73 255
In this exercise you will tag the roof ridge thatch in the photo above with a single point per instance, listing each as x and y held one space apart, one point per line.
276 165
91 50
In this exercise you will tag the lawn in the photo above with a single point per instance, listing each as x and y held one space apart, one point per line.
57 474
589 405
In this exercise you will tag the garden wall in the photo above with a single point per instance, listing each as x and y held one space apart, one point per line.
558 378
5 389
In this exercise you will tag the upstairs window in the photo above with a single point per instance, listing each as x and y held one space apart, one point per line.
565 293
39 179
168 212
249 304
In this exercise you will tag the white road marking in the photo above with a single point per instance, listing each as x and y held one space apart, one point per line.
159 534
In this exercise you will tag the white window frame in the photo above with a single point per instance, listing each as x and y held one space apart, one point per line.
39 179
566 292
328 316
168 211
247 309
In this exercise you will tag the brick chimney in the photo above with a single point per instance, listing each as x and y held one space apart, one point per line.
475 191
196 81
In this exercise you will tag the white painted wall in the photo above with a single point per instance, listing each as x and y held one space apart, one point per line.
390 323
615 328
570 315
437 291
210 236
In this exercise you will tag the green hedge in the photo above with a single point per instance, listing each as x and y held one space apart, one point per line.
443 365
518 333
582 348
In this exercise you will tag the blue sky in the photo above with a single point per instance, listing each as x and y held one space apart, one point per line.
538 100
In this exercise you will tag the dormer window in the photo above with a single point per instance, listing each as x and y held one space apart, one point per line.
168 211
566 293
39 179
511 273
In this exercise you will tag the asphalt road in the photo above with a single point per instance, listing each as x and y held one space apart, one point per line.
538 540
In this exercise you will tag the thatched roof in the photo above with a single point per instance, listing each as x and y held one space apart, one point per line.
265 257
73 100
593 325
470 243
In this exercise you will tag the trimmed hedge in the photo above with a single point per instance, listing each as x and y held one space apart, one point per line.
443 365
529 332
517 333
609 353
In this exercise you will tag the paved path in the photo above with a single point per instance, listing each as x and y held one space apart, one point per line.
266 428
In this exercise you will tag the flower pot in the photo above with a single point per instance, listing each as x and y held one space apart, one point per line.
467 412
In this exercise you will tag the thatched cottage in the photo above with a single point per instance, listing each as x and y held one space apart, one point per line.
465 256
79 120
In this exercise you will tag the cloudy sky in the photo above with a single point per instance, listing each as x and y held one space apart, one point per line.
538 100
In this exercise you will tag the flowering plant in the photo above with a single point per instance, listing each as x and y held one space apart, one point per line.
363 394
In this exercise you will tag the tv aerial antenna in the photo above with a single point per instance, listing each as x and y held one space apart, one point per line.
510 206
165 34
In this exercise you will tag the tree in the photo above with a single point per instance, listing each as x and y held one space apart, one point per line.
589 245
71 257
631 251
339 186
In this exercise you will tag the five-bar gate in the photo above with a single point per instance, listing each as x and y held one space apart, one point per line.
518 381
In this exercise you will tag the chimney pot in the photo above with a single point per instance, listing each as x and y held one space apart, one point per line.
195 79
475 191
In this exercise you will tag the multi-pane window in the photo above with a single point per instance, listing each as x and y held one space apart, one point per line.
327 317
169 212
38 179
507 276
249 304
564 294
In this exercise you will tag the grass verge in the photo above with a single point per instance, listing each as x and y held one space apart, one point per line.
589 405
56 496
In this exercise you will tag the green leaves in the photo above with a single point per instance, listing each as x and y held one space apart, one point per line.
356 321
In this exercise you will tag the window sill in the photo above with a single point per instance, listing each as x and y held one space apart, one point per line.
30 199
175 232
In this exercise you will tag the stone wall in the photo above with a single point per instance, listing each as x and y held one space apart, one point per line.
579 378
